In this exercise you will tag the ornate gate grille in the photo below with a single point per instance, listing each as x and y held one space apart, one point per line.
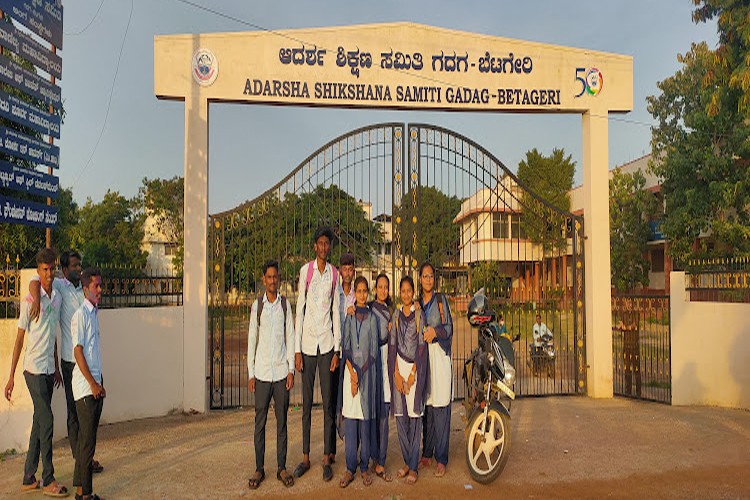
397 195
641 347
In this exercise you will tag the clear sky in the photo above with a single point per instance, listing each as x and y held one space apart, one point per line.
252 147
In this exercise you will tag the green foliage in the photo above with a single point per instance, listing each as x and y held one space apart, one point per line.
490 276
110 232
630 208
438 238
164 200
284 229
700 145
551 178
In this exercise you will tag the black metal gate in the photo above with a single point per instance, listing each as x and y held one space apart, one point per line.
641 347
397 195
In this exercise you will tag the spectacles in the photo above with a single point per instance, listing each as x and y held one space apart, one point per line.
428 276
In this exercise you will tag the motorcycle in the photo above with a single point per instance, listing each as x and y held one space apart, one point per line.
489 376
543 356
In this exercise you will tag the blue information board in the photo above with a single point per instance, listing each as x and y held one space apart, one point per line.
27 213
29 83
22 44
16 110
28 181
28 148
43 17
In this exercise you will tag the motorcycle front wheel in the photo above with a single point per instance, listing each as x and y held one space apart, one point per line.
487 452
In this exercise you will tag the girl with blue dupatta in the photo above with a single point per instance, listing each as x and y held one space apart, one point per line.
408 361
439 336
383 308
361 389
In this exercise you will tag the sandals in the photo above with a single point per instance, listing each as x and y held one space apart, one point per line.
285 478
300 470
96 467
257 478
411 478
93 497
347 479
424 462
383 475
55 489
366 478
403 472
32 486
440 470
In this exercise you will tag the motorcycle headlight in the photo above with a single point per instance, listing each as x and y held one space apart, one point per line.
510 375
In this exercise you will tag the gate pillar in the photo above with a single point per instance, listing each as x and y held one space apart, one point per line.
598 307
195 276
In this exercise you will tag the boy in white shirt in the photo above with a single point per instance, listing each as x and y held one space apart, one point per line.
318 346
87 381
41 371
270 366
71 292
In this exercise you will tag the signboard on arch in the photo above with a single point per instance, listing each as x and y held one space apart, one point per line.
31 109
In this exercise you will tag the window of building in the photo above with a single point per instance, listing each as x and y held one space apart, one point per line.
170 249
657 260
516 229
500 226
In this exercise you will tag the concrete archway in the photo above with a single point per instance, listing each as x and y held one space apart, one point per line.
395 66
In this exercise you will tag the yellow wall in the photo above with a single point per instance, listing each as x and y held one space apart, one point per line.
710 350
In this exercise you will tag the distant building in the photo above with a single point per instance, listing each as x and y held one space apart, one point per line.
159 247
492 231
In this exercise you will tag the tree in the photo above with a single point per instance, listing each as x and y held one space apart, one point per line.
490 275
164 201
284 229
630 208
700 145
438 238
110 232
551 179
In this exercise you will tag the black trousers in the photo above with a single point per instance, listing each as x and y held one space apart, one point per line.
264 391
42 424
67 374
321 362
89 411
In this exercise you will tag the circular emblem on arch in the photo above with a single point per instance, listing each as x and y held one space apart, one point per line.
205 67
594 81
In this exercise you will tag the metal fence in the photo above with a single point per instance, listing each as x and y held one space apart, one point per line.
125 287
10 289
641 347
718 280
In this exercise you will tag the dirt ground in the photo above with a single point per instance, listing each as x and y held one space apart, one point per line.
562 447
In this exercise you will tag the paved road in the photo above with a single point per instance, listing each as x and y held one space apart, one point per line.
563 447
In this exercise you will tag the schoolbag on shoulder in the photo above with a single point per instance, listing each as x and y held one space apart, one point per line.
311 270
260 310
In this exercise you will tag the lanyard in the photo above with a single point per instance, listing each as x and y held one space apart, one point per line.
428 306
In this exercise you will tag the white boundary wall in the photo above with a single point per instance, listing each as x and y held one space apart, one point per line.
710 350
142 353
